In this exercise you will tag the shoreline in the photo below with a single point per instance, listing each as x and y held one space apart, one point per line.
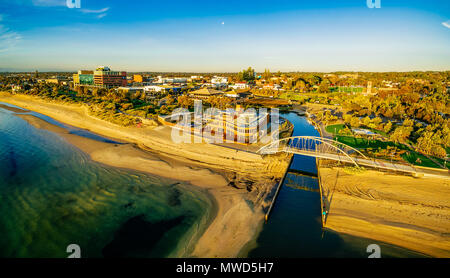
235 225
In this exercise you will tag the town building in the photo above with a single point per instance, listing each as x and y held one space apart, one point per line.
275 87
84 77
237 126
171 80
106 78
238 94
219 79
240 86
162 88
205 93
219 82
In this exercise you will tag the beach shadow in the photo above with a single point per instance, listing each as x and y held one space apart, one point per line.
328 198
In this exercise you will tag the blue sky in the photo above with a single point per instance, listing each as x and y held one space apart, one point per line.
225 36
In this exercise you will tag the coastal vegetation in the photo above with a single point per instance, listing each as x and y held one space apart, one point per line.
406 113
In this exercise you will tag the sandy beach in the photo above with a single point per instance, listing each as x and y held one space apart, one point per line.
402 210
240 209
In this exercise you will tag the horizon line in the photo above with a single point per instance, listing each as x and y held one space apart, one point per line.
224 72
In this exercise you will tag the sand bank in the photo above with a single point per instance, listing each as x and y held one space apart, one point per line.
239 207
402 210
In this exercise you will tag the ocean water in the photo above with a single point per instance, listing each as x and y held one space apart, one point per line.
52 195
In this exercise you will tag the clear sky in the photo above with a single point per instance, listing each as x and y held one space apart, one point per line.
225 35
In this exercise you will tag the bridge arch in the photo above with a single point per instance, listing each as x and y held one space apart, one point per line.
310 144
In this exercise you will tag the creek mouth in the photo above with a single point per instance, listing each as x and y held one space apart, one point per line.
294 228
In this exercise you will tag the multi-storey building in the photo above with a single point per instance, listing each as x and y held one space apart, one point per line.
237 126
84 77
106 78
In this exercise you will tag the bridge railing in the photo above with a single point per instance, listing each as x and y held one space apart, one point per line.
313 145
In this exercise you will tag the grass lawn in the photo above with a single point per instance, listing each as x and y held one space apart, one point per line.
425 161
291 96
362 143
334 129
411 156
347 89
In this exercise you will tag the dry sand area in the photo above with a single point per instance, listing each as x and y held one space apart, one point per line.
207 166
402 210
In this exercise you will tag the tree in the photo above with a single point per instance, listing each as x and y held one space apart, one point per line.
169 100
247 75
438 151
408 122
387 127
315 80
401 134
267 75
367 121
355 122
376 123
430 143
324 87
347 119
185 101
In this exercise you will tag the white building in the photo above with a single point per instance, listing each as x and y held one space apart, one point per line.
219 79
153 89
165 80
275 87
240 86
195 77
219 82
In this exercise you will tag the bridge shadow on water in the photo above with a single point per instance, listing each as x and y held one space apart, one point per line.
294 228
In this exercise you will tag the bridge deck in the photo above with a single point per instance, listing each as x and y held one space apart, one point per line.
380 164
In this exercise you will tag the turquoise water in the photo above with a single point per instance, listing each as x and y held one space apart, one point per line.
294 229
53 195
